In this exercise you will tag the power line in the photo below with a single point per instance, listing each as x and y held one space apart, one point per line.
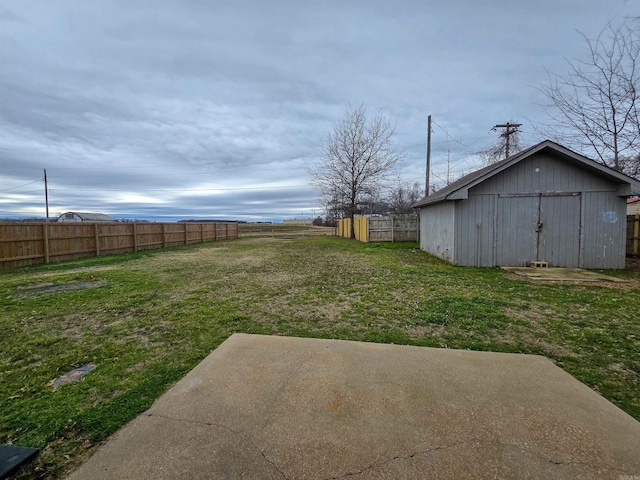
20 186
454 138
29 191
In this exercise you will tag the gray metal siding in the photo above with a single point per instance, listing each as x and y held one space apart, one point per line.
604 230
474 241
553 176
437 230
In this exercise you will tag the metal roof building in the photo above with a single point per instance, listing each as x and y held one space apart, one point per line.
84 217
544 204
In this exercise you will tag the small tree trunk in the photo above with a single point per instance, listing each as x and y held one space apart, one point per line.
353 213
353 226
616 157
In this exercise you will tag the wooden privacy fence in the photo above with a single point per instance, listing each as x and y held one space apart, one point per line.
633 234
24 244
282 232
396 228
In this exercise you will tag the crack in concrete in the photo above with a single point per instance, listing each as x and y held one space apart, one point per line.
473 440
228 428
401 457
557 462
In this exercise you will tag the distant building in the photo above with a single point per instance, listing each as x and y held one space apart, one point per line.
84 217
633 206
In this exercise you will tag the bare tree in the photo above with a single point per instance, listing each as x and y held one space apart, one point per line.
356 157
334 204
403 196
372 204
594 105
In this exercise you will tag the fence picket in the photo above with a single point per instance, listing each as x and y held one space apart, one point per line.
633 234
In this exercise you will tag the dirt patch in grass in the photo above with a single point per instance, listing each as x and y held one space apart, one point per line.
81 270
77 326
534 331
535 315
433 331
50 288
548 349
622 284
624 372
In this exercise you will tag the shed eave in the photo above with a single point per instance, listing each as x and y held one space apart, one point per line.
461 194
428 203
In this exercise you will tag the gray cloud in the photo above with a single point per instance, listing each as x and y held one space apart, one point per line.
197 108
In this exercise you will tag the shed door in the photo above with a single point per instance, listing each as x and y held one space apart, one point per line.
543 227
559 230
516 240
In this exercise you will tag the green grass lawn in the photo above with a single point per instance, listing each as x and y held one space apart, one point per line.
157 314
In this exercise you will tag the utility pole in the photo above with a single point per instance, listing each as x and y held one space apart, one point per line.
508 131
426 187
45 227
46 196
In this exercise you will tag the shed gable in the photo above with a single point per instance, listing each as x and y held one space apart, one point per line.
544 172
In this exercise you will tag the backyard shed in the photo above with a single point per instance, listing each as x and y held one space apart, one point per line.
84 217
544 204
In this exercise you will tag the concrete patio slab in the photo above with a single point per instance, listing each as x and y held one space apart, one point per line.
553 274
263 407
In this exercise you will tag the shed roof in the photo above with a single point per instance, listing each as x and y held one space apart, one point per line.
91 217
459 189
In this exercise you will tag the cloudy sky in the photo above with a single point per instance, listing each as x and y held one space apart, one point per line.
214 109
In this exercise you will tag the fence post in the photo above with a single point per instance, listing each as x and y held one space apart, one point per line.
135 237
215 231
636 235
45 238
95 232
393 233
226 231
164 236
202 233
185 232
